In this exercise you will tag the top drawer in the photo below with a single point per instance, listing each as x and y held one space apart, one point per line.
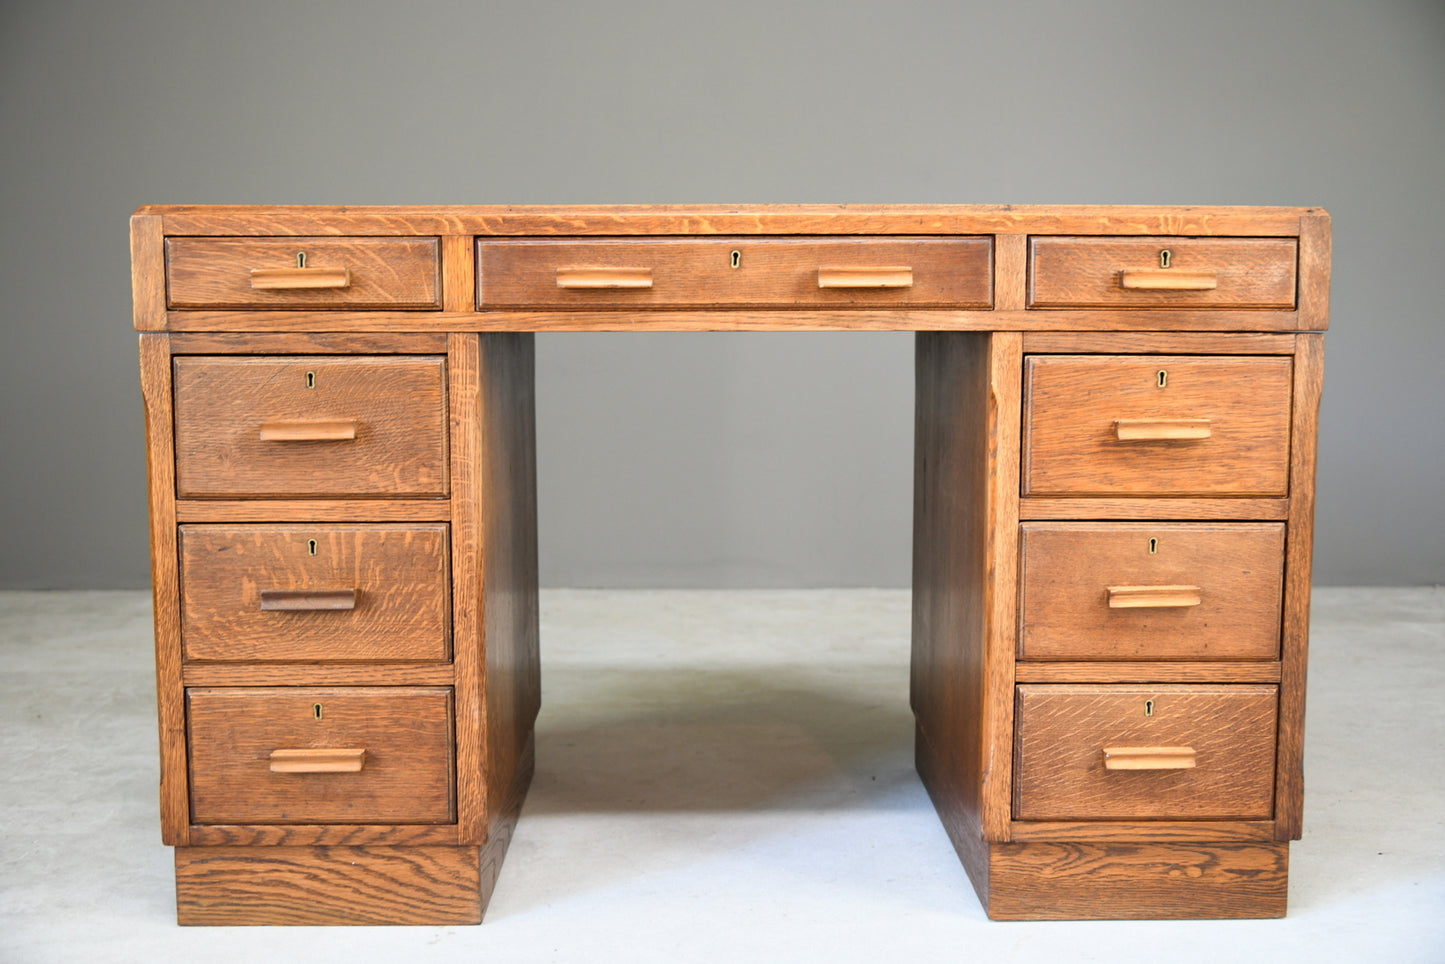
302 273
736 272
1162 272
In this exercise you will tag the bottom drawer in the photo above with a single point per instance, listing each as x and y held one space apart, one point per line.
1185 752
320 755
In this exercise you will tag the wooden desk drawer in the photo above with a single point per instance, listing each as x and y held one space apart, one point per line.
1131 272
1156 425
289 755
769 272
1145 590
268 273
315 593
319 426
1120 752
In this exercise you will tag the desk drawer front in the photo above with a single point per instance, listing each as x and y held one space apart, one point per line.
1162 272
302 273
321 755
1156 425
1179 752
736 272
315 593
1131 591
323 426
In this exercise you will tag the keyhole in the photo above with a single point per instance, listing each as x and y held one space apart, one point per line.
1162 378
1153 547
737 259
311 546
310 379
300 259
316 710
1148 708
1165 257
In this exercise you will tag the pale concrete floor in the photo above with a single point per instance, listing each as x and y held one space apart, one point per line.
722 776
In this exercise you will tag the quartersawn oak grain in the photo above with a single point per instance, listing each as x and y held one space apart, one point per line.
1094 272
967 531
1137 880
1067 569
1072 403
405 731
400 575
288 885
397 403
1061 731
382 272
781 272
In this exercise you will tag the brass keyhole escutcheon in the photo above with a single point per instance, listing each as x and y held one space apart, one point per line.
311 547
1162 378
1165 257
300 259
316 711
737 259
1153 547
310 379
1148 708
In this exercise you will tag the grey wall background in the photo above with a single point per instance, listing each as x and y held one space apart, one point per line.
713 460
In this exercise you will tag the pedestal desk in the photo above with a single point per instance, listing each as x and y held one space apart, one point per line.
1113 500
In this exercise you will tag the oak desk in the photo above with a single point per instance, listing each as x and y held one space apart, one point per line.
1114 487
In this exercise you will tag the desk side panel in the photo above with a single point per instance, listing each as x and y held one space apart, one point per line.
955 590
509 534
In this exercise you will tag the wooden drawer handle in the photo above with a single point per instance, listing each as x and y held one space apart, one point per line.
307 600
332 431
865 277
1168 279
318 760
604 277
1161 429
294 279
1153 597
1148 757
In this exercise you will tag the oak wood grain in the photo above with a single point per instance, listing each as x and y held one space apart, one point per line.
742 319
406 732
228 886
253 673
1116 272
713 219
323 835
1062 730
1157 343
1137 881
1068 609
378 272
948 692
469 563
155 379
309 343
1073 402
782 272
1314 271
148 272
459 274
398 405
1150 671
1308 387
396 580
509 534
1141 831
313 510
1228 509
